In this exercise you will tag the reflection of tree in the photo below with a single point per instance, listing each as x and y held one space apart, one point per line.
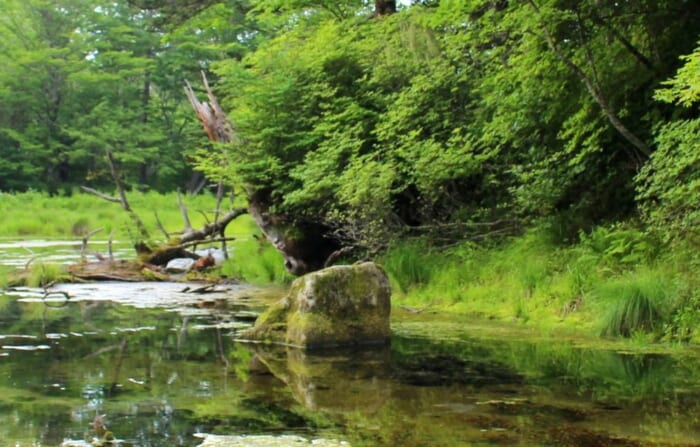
89 364
603 374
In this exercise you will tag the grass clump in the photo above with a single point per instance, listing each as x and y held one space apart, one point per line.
634 303
255 261
42 274
411 264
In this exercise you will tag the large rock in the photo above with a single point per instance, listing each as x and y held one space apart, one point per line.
337 306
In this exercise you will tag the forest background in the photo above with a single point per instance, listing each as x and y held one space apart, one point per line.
532 160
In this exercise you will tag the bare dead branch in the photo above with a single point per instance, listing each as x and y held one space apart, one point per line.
183 211
143 233
213 228
210 114
100 194
116 176
160 226
336 254
86 237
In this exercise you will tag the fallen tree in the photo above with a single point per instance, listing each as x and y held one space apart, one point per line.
173 247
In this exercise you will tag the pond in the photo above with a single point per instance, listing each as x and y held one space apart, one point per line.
164 367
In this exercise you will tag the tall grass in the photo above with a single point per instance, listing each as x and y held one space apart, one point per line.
411 264
37 215
256 261
633 303
43 274
614 281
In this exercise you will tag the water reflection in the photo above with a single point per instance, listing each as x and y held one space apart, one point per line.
160 375
333 381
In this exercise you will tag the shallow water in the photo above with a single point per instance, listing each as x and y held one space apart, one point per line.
17 253
164 367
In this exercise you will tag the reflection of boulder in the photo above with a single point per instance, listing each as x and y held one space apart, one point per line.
337 306
336 380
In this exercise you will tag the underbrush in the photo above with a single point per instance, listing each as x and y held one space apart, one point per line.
615 281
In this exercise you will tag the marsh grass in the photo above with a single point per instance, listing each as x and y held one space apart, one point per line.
37 215
255 261
634 303
603 284
42 274
411 264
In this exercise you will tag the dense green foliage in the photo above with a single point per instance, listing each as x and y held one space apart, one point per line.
83 77
450 117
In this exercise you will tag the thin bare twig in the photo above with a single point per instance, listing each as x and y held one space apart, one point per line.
160 226
86 237
101 195
183 211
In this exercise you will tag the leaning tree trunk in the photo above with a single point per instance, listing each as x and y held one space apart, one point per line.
304 245
384 7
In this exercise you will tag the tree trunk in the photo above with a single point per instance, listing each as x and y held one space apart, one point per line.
593 88
384 7
304 245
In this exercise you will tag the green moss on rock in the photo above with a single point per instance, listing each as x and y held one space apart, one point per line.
337 306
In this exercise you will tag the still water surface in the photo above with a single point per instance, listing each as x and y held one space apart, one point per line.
163 364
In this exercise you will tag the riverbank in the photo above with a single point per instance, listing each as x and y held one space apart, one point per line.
615 281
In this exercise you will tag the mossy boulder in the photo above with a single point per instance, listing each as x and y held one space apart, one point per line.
337 306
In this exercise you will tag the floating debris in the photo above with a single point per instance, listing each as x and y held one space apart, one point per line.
266 441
